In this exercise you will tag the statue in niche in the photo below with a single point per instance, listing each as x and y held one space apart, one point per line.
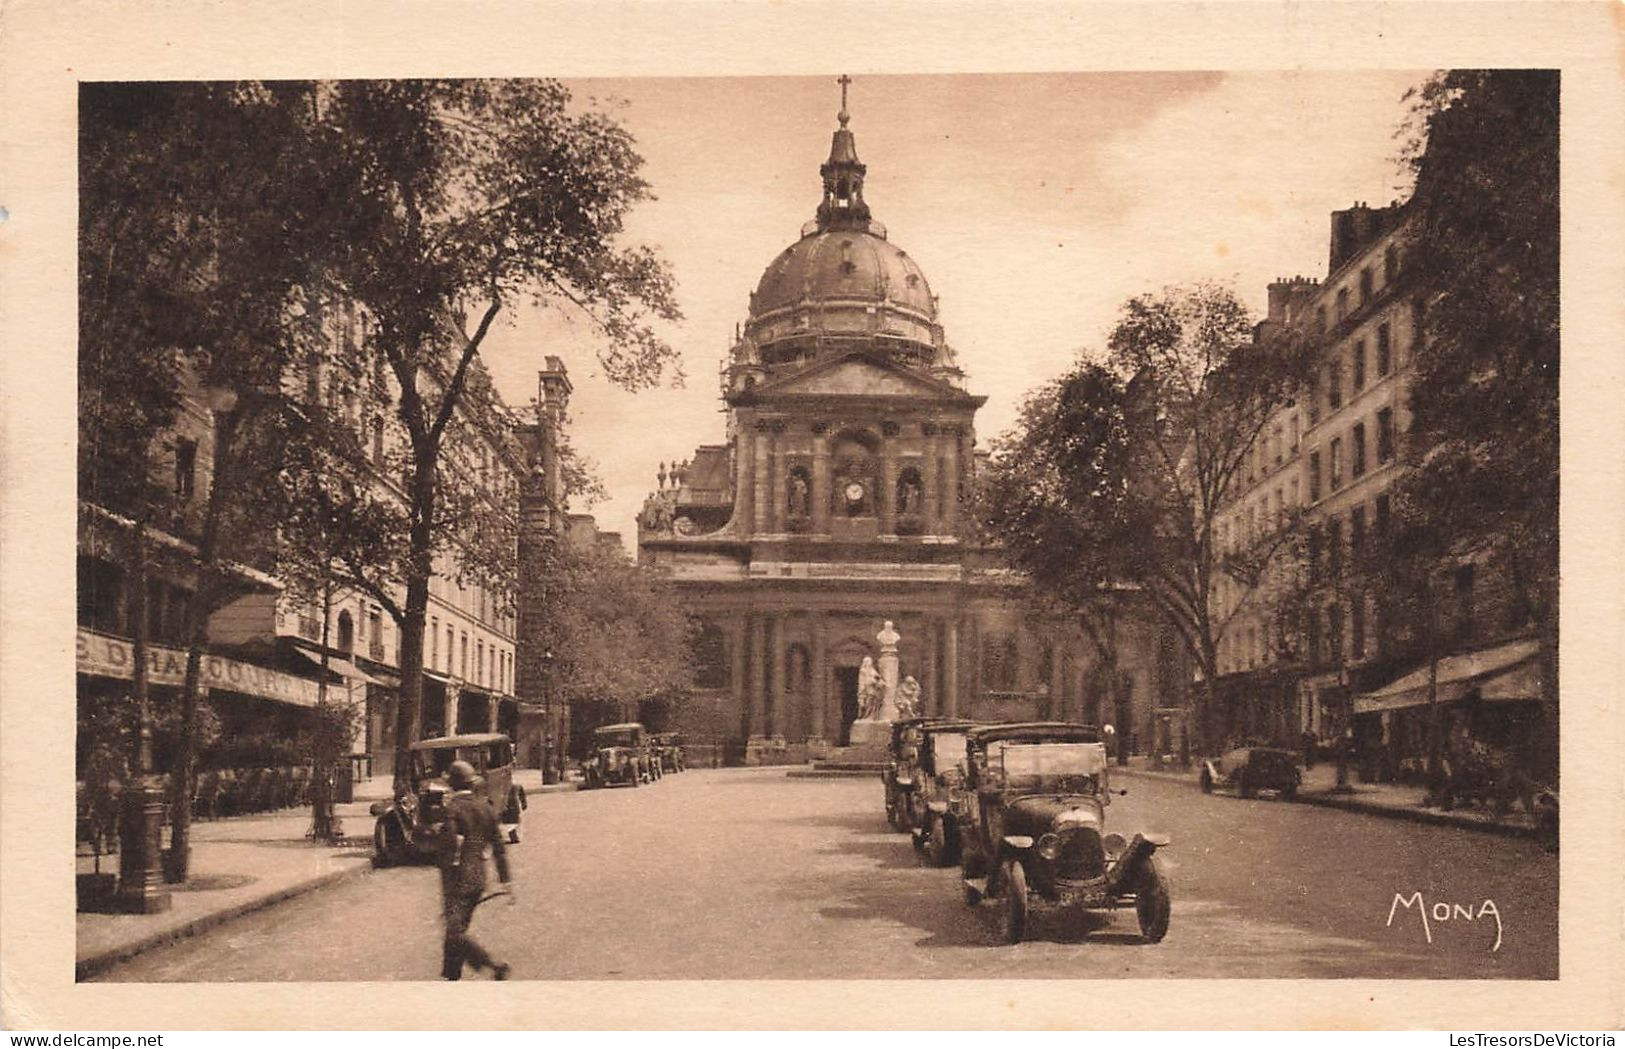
908 494
798 498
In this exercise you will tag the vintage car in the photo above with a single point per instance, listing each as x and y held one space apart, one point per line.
902 755
1040 793
1252 769
407 828
621 754
939 800
668 748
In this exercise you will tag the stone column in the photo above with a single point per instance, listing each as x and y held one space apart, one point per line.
950 488
820 479
928 668
779 509
738 638
745 477
1057 678
932 508
887 496
495 708
950 669
758 674
819 693
764 481
775 696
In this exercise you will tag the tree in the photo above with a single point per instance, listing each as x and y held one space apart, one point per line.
1055 496
1117 472
1482 449
472 195
205 208
618 632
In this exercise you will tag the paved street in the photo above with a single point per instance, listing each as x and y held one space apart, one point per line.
743 874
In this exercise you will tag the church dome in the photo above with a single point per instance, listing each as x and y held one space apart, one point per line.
837 270
842 283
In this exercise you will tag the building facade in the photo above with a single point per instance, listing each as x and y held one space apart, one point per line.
1313 651
266 642
841 499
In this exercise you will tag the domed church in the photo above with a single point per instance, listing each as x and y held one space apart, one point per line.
840 500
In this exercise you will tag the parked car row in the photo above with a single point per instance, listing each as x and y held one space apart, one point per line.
1022 809
628 755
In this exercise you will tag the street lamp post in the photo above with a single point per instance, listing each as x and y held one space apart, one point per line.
141 803
549 728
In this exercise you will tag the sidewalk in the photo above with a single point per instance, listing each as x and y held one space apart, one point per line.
242 864
1389 800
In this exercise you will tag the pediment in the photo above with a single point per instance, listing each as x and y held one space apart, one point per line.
859 375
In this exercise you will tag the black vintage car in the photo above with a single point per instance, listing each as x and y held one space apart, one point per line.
620 755
668 750
406 828
898 777
1039 836
1252 769
939 799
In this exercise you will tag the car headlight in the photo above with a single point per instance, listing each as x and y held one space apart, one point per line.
1049 846
1113 844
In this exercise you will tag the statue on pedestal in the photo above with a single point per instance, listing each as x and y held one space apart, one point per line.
908 698
871 690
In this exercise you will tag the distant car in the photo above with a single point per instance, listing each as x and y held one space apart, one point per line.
898 777
621 755
940 801
407 828
668 749
1252 769
1041 791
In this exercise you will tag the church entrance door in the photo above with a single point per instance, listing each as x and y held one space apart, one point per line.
846 682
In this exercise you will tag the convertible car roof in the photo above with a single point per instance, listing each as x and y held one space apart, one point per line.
949 724
1063 731
624 724
473 740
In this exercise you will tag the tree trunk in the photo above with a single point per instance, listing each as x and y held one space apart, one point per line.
414 613
197 636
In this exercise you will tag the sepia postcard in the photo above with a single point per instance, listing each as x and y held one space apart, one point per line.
811 516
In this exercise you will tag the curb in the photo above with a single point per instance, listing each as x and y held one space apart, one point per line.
832 774
90 965
1413 815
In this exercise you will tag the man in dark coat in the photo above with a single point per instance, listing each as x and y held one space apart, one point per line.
470 828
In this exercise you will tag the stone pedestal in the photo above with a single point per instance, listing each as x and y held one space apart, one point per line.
875 730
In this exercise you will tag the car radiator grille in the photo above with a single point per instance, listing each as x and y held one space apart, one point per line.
1081 856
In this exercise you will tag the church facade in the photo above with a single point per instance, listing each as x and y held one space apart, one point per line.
842 498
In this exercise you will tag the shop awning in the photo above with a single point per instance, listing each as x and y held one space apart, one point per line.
1505 673
340 666
105 656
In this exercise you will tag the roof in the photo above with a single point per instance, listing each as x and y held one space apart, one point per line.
472 740
622 725
844 265
1036 730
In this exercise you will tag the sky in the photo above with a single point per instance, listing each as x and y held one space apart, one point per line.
1035 204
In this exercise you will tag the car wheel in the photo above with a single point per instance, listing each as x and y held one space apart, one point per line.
1207 782
891 808
1244 785
389 843
1153 903
1015 901
380 845
909 821
636 778
936 842
1290 791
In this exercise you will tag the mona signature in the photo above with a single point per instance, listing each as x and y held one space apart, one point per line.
1445 912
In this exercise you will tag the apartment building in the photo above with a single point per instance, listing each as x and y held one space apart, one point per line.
1311 651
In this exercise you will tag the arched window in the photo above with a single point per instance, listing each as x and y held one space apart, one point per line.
346 640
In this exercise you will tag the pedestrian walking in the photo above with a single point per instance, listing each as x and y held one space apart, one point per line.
470 829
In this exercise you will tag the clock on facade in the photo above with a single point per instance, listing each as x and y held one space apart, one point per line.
854 492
